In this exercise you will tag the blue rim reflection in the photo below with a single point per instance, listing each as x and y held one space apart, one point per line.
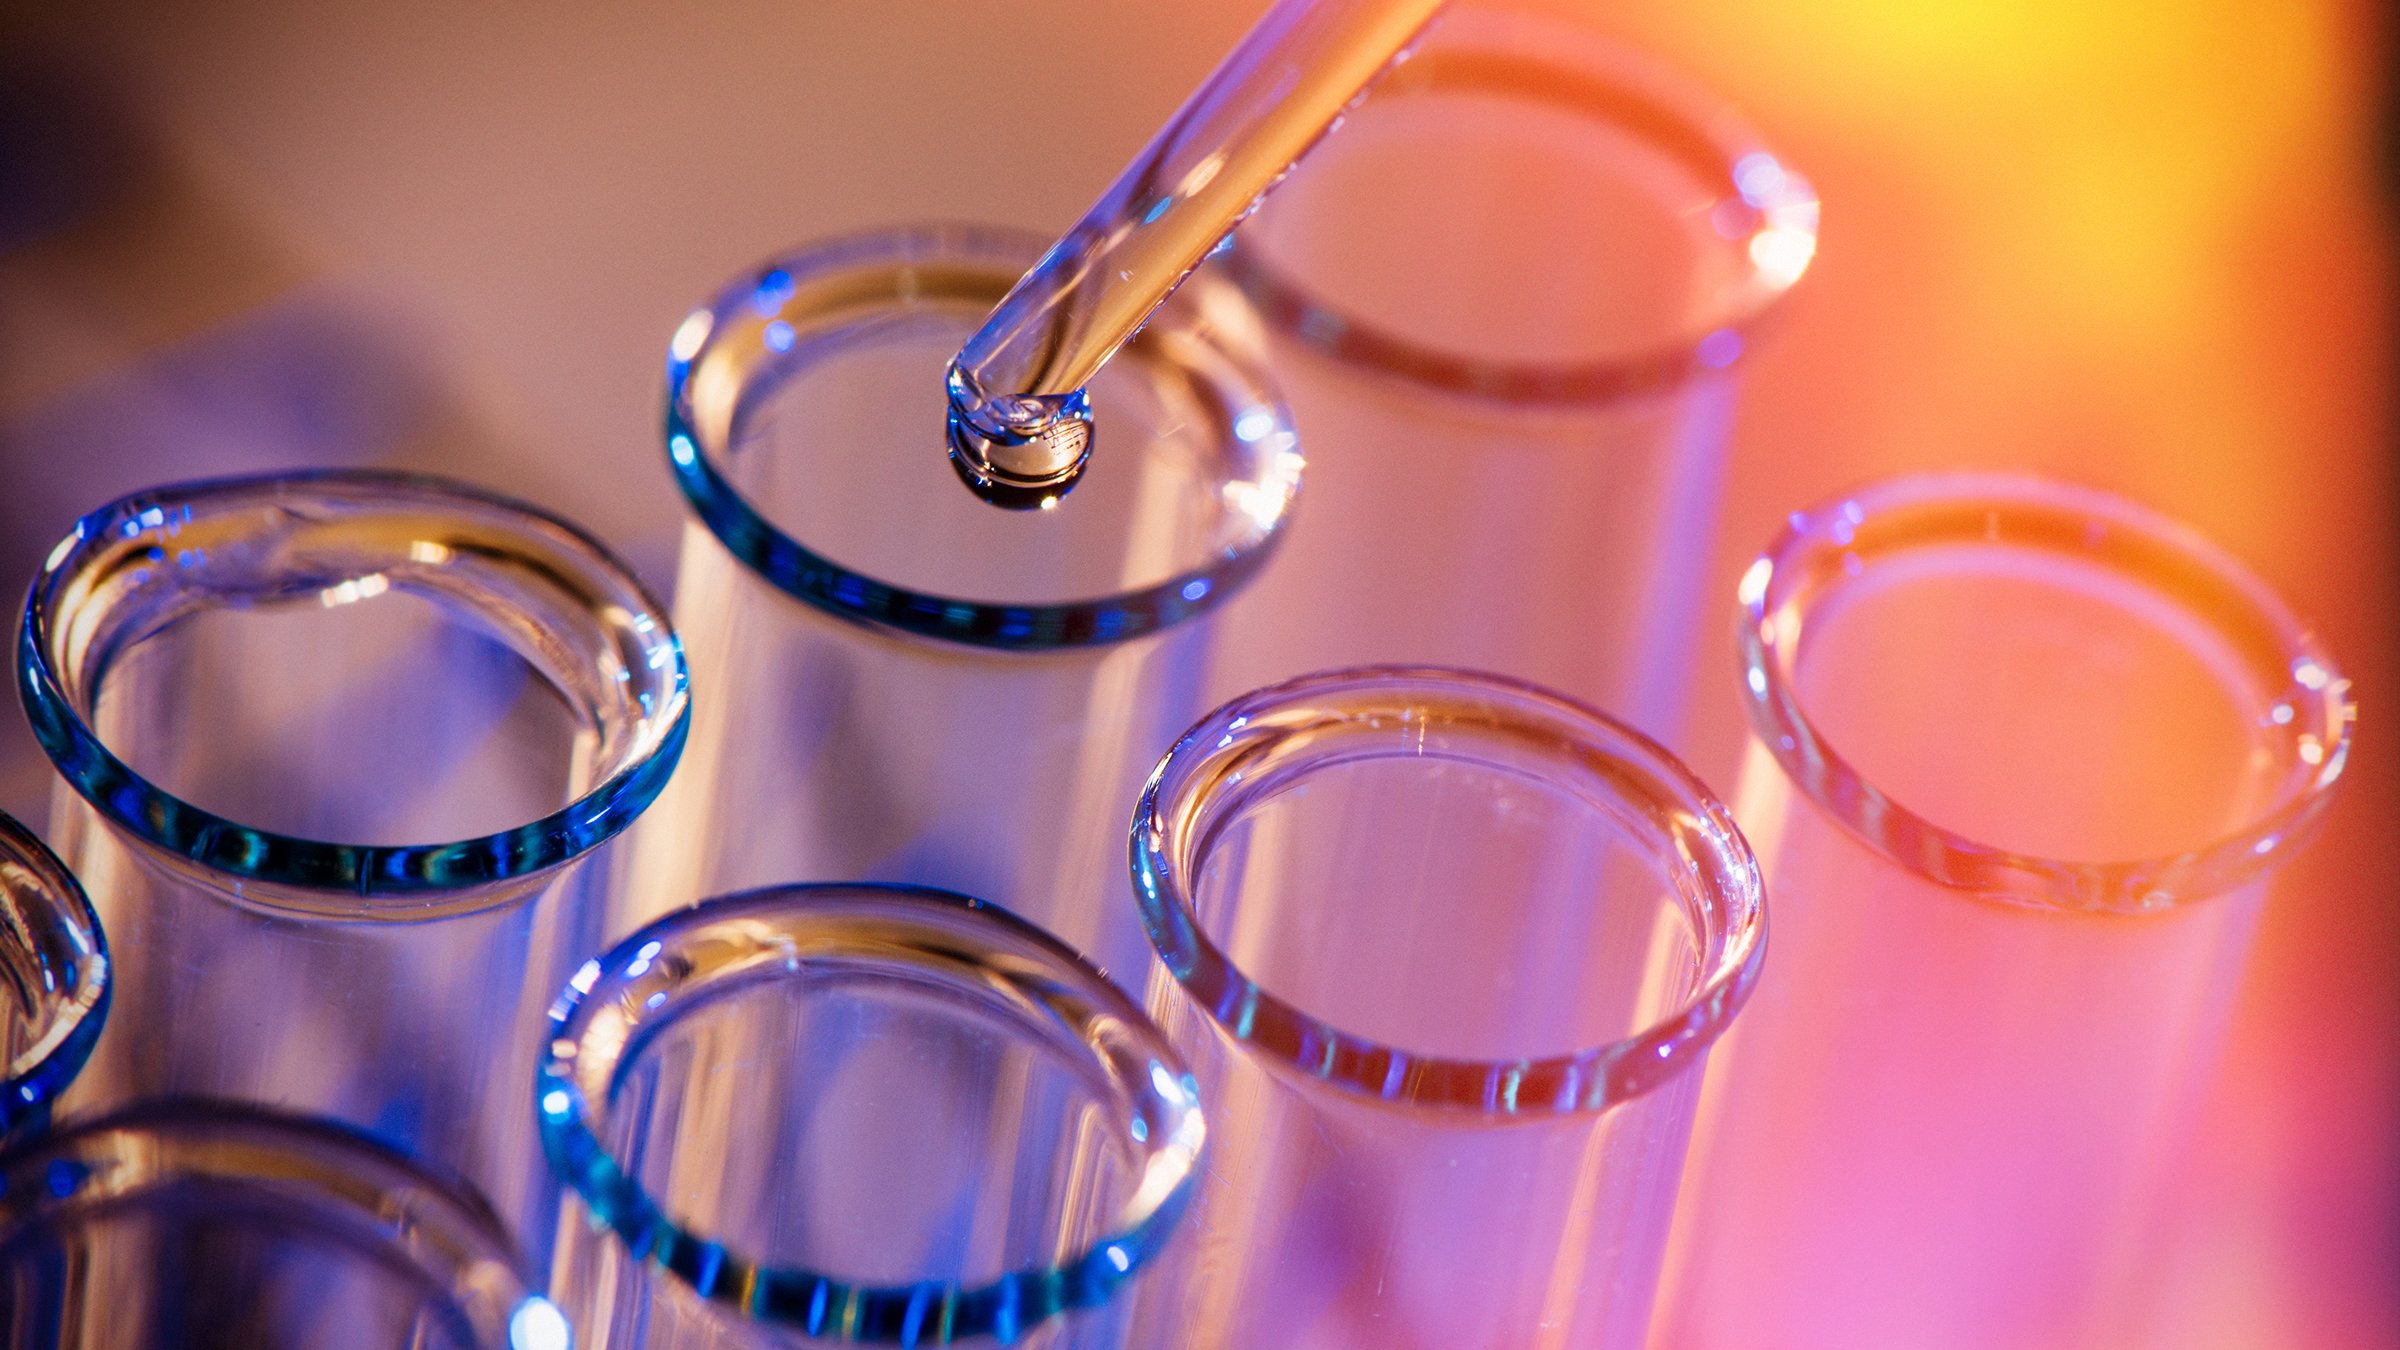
1265 741
656 971
146 523
56 919
774 302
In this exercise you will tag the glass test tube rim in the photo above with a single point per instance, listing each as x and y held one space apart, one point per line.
1170 837
1025 965
110 1160
1776 206
75 1008
770 294
1823 541
64 645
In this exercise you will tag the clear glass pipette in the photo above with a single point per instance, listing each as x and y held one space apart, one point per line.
1020 425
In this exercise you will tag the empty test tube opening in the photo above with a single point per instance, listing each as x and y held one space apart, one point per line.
805 423
373 715
197 1223
1646 228
365 681
1447 889
2040 691
845 1095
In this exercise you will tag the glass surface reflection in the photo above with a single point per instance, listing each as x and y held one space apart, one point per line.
332 749
846 1113
1447 953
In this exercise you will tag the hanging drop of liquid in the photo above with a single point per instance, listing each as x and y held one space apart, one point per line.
1019 451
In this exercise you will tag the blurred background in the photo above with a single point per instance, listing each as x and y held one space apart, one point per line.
2146 244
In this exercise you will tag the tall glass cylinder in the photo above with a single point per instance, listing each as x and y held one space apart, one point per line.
2026 757
1447 953
333 746
193 1223
1508 299
896 681
54 979
853 1113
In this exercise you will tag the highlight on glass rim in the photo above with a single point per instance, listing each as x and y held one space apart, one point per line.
1338 674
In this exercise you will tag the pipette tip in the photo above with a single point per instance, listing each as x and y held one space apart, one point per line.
1020 453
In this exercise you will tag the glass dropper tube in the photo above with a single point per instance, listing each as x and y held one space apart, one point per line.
837 1114
334 749
1020 425
197 1223
54 979
2026 759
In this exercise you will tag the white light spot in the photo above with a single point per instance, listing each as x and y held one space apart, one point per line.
352 591
1753 589
1201 175
537 1324
690 334
1781 254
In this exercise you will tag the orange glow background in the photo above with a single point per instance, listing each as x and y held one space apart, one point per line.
2143 243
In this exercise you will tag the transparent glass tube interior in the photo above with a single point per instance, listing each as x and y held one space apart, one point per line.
206 1224
1448 953
331 747
54 979
2026 757
828 1114
1508 301
896 682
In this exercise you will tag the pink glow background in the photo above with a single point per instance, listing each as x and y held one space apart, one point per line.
2142 244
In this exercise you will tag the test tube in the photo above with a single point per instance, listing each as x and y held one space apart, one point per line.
1446 952
1508 300
2026 757
53 979
196 1223
332 745
895 681
853 1113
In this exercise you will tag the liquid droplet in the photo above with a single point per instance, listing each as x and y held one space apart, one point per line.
1017 451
